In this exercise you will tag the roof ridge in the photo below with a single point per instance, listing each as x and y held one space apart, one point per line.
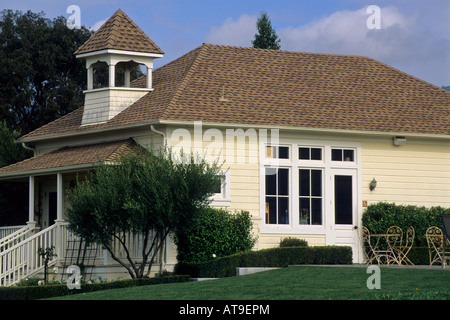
182 85
287 51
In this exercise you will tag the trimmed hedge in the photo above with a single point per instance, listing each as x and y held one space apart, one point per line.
293 242
49 291
419 255
217 232
274 257
379 217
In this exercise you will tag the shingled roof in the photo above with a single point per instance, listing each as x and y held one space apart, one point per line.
121 33
234 85
71 156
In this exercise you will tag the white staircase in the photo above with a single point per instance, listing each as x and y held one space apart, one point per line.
13 235
20 259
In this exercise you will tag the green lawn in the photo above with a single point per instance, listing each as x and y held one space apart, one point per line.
294 283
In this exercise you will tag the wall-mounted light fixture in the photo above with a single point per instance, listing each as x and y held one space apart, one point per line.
399 141
373 184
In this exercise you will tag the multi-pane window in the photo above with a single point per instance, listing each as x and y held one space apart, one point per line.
308 153
310 196
343 155
277 152
277 195
296 183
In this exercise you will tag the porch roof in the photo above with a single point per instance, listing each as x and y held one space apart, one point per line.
67 159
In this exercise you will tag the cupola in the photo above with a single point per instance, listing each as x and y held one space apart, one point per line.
114 53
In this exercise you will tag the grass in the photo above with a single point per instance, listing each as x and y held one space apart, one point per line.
295 283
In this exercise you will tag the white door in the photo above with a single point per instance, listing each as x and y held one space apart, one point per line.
343 211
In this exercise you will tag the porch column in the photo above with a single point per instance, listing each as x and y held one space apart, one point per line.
31 222
60 243
60 198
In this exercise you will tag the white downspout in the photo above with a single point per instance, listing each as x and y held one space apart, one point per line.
24 145
163 247
152 127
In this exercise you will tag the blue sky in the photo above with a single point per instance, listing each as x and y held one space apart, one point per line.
414 35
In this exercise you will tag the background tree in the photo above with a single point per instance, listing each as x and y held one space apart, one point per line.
41 77
41 80
147 194
266 38
13 195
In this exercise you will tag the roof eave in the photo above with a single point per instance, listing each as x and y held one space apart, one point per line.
46 171
310 129
86 132
118 51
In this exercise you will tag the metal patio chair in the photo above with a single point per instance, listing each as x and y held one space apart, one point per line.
435 241
394 240
404 250
367 247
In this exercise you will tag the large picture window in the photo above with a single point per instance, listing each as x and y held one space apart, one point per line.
277 195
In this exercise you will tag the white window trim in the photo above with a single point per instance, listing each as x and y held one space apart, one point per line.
295 164
223 199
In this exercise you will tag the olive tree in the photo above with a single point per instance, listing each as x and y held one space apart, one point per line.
146 193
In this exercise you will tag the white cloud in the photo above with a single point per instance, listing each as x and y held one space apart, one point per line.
346 32
234 32
97 25
400 42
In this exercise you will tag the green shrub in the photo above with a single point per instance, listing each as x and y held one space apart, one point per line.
379 217
217 233
293 242
274 257
56 290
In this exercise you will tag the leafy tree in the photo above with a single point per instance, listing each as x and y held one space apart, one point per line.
149 194
10 151
266 38
41 77
13 195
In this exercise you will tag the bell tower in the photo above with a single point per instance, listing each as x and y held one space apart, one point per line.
119 46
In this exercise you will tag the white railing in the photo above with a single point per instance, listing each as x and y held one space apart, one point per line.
14 237
22 260
6 231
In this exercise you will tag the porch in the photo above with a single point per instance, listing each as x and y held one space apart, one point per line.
50 176
20 258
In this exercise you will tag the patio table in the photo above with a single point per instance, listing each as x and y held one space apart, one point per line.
388 253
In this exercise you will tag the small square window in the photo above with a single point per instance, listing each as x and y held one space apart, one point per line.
336 155
316 154
219 185
306 153
221 196
347 155
277 152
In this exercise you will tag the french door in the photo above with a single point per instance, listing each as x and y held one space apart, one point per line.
342 215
